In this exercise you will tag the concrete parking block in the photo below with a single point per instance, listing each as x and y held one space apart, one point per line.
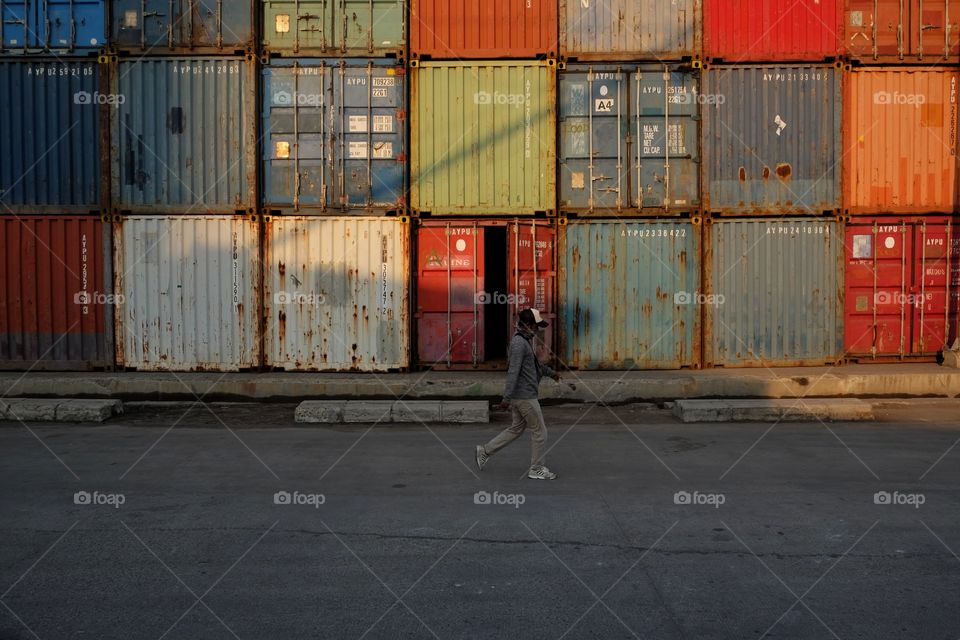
322 411
416 411
464 412
841 409
368 411
81 410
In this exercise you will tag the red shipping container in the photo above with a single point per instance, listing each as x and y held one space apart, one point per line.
769 31
900 134
898 285
473 278
457 29
55 296
902 30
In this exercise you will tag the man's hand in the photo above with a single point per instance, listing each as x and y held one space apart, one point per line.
503 406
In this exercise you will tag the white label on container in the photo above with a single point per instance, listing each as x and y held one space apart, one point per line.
383 150
384 82
282 150
577 180
130 19
358 124
379 93
283 23
862 246
383 124
604 105
358 150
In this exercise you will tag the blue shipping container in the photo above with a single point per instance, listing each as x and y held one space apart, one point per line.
630 294
184 138
334 135
52 26
629 138
194 26
50 130
777 288
772 139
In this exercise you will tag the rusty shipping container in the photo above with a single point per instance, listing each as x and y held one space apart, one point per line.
901 141
774 292
348 28
336 293
899 286
629 139
483 138
53 126
772 139
736 31
152 27
187 293
473 278
55 293
630 29
630 294
184 135
334 136
492 29
895 31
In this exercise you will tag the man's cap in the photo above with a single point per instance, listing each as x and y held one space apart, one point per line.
531 317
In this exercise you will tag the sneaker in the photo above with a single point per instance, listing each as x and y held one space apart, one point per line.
482 457
541 473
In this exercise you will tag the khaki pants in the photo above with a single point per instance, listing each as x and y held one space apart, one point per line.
526 413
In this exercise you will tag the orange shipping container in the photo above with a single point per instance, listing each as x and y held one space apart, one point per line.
457 29
900 132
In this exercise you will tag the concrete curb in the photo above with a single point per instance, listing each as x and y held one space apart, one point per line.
844 409
386 411
57 410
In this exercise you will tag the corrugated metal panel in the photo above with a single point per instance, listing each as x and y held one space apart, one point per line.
336 295
55 293
50 130
483 138
769 30
778 289
630 29
52 26
184 138
190 287
630 294
901 137
335 135
902 30
182 26
898 285
344 28
615 151
772 139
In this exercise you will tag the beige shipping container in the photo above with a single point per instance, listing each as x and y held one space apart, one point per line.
187 293
483 138
336 293
900 131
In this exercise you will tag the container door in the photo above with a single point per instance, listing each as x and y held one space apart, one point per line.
450 277
593 132
532 274
877 271
666 131
292 25
144 23
370 25
15 20
296 171
371 136
930 291
935 28
878 28
954 311
70 24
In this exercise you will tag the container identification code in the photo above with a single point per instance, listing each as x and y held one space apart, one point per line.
805 230
653 233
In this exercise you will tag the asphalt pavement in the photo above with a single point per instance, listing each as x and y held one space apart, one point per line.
229 521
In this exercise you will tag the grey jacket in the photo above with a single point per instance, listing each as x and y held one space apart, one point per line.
524 370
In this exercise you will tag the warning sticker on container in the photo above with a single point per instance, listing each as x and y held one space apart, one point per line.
604 105
576 180
358 124
383 124
862 246
358 150
383 150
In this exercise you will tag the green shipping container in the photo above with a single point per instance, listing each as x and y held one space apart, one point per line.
483 138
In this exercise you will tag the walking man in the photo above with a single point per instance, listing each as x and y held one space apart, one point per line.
521 391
